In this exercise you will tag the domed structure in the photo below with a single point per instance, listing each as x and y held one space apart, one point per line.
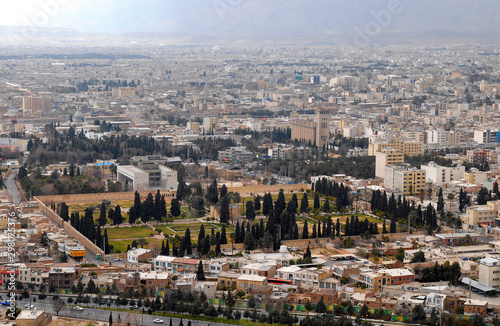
78 117
216 48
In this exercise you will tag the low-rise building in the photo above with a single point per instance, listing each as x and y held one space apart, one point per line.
139 255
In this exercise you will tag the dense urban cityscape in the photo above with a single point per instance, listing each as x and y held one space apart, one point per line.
248 183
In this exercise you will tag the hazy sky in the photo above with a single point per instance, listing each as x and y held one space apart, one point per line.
245 17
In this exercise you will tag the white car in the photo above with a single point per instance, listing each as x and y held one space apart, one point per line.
28 306
78 308
158 321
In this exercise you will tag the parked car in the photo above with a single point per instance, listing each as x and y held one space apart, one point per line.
158 321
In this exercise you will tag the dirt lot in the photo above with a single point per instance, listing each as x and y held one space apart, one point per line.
63 321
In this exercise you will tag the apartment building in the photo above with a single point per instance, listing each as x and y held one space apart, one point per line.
440 174
481 214
489 272
486 136
397 276
303 277
405 180
36 105
409 148
267 270
387 157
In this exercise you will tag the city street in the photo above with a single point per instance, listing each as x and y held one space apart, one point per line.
11 187
103 315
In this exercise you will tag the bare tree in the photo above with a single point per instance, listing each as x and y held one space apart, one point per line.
58 305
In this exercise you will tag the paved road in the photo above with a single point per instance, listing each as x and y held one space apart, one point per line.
11 188
103 315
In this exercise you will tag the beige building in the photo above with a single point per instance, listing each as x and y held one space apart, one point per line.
387 157
36 105
193 126
405 180
317 133
482 214
475 176
410 148
33 318
489 272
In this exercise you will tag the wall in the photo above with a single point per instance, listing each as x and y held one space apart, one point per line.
97 197
263 189
89 245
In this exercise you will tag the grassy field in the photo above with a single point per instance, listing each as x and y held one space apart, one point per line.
129 233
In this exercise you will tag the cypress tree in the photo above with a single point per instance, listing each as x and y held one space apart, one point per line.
201 237
316 201
102 216
237 236
200 274
305 231
257 203
223 237
267 204
304 203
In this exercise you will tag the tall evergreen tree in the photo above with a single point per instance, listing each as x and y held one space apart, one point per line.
223 191
157 206
384 228
99 236
257 203
102 216
316 201
392 227
137 204
200 274
314 235
118 215
167 249
105 243
250 211
267 204
223 237
212 195
304 203
305 231
201 237
280 204
175 207
224 210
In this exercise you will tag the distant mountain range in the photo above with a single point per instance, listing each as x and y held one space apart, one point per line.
272 22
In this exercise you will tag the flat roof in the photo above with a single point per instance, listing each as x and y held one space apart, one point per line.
476 284
131 169
456 235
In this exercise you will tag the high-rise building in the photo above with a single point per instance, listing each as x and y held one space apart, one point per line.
36 105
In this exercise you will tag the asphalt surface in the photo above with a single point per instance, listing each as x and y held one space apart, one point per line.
103 315
11 188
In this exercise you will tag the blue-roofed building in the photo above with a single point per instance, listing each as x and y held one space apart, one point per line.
102 168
